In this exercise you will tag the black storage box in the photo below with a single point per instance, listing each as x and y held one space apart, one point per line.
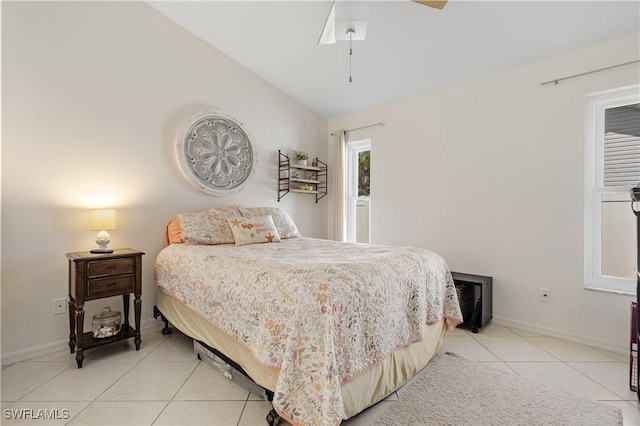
475 294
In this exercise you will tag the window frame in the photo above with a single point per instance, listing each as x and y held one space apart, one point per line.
594 188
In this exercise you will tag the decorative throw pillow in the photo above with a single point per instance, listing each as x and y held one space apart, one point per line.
254 230
174 234
208 227
284 224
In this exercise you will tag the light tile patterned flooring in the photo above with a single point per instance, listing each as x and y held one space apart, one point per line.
163 383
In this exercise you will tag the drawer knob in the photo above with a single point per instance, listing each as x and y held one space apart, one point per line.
111 267
111 284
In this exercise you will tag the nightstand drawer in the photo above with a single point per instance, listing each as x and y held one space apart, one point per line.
100 268
103 287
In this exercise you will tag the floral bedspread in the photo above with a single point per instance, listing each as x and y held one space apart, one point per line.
318 310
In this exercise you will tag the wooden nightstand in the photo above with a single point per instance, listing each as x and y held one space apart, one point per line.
96 276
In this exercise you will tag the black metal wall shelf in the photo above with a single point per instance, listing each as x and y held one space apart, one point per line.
314 176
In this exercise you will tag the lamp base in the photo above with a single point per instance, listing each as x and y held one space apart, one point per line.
101 250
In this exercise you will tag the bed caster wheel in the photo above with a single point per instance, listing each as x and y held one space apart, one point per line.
273 418
156 313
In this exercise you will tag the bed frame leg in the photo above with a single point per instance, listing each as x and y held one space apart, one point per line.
273 418
156 314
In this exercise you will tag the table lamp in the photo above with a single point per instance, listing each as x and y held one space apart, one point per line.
103 220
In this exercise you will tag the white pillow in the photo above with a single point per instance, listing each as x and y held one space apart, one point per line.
254 230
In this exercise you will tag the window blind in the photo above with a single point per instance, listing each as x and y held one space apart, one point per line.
622 146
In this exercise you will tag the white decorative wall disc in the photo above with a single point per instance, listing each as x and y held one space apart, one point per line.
215 153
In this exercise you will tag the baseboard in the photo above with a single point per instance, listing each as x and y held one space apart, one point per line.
611 346
36 351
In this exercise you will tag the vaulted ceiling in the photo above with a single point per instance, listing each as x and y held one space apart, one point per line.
409 48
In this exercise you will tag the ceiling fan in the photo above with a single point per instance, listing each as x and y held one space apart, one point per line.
438 4
355 30
334 30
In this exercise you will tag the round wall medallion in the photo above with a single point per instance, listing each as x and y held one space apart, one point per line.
215 153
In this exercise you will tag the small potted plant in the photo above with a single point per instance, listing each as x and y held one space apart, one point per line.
302 157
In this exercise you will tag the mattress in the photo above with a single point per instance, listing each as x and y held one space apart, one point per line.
312 316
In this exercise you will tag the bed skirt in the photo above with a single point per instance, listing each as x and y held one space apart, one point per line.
366 389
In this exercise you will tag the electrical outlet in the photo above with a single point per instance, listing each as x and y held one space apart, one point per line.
543 294
59 306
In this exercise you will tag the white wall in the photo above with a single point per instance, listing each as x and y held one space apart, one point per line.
489 173
93 96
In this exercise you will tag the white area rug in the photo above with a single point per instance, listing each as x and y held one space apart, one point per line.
454 391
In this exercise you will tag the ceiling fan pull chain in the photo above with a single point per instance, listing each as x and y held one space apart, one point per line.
350 31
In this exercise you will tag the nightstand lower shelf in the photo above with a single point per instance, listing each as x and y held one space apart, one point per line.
88 341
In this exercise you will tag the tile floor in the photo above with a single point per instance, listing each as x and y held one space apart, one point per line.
163 383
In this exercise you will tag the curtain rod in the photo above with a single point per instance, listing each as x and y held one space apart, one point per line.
557 80
363 127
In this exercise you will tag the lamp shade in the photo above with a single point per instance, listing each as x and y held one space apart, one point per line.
103 219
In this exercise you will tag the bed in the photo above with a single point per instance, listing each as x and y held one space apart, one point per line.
327 328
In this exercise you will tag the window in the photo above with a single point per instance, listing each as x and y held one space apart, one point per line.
612 168
358 198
